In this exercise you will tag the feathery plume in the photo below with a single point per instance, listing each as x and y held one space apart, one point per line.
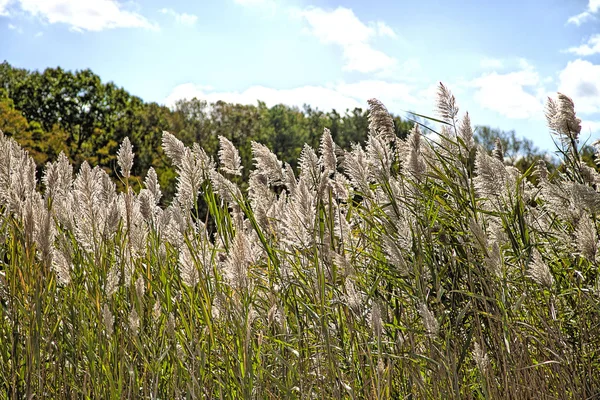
562 119
481 358
498 151
189 181
229 191
125 157
585 197
478 234
138 227
541 170
260 196
187 267
17 175
358 169
393 251
340 187
353 297
88 207
539 270
309 164
328 159
45 229
128 267
229 157
300 216
65 171
589 175
289 179
381 123
61 266
58 177
275 315
586 238
379 158
267 162
238 261
50 179
446 104
206 162
151 183
173 148
491 179
140 287
415 164
108 190
112 281
134 321
146 201
171 324
113 218
596 146
465 132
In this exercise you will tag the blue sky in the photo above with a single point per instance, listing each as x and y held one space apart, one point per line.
500 59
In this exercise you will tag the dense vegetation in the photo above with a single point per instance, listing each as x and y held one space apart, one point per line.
75 113
405 266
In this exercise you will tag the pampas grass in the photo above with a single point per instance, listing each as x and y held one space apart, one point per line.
413 269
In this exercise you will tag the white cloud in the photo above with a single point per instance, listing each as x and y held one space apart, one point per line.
15 28
342 27
251 3
592 8
339 96
317 96
591 47
516 95
266 7
580 80
384 29
363 58
39 34
4 8
88 15
491 63
590 127
182 18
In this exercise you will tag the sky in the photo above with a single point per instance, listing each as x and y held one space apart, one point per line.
501 59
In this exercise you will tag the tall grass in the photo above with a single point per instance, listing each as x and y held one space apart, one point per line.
413 269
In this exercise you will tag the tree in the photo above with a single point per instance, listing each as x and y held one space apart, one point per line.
519 152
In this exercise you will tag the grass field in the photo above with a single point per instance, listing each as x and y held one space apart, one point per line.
417 269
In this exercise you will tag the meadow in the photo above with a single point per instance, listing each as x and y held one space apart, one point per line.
417 268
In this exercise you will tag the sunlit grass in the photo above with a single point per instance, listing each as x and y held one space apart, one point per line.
396 269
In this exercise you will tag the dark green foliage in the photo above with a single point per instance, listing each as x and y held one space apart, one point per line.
76 113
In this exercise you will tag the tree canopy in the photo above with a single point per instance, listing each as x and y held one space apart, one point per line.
76 113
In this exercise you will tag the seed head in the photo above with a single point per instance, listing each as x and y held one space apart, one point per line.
381 123
539 270
229 157
125 157
562 120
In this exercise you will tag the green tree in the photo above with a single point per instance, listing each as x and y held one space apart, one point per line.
518 151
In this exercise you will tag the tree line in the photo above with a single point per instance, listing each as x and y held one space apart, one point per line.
76 113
